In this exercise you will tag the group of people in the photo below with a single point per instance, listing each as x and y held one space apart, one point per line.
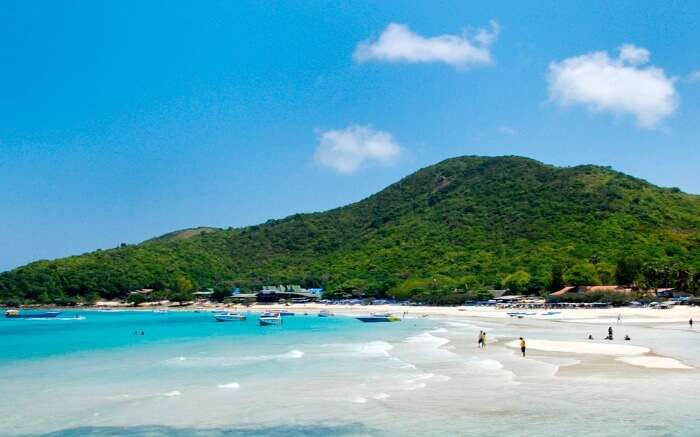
523 346
482 340
610 335
481 343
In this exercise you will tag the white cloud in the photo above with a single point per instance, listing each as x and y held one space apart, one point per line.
507 130
350 149
398 43
694 76
620 85
634 55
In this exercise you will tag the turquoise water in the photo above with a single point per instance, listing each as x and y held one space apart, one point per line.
93 373
90 331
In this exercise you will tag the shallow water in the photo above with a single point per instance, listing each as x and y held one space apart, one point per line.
188 375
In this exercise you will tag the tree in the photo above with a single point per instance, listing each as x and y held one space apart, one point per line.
651 276
628 270
181 296
409 288
136 299
182 292
184 285
606 273
557 281
582 274
517 282
220 293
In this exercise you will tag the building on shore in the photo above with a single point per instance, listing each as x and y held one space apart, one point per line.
671 293
277 294
579 289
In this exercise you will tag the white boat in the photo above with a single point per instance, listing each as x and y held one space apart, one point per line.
380 314
270 318
160 311
229 317
325 313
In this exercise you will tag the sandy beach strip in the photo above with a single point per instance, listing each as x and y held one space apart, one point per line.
652 362
580 347
602 316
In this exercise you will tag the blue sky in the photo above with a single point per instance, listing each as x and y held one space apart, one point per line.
120 121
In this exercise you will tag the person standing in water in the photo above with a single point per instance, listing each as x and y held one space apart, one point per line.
481 339
690 322
522 346
610 333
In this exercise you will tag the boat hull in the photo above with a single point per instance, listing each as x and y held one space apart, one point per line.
270 321
45 315
378 319
229 317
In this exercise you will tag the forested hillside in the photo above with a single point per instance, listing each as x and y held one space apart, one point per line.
468 222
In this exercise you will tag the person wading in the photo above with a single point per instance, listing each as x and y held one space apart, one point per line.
522 346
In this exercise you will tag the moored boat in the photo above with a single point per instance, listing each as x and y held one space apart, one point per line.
229 317
269 318
325 313
374 318
16 314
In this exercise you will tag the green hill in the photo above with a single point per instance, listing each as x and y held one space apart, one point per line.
467 222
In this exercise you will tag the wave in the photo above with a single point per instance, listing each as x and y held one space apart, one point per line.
231 385
421 377
403 364
129 397
381 396
372 348
428 338
360 400
182 361
484 363
471 326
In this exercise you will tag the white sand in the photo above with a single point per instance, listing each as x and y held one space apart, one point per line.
614 322
654 362
580 347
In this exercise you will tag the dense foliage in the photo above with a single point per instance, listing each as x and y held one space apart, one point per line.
467 223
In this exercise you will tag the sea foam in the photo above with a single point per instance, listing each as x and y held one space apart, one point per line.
228 361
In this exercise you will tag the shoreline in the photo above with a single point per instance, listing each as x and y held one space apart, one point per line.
629 315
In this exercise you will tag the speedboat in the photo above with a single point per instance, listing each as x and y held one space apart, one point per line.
325 313
551 313
520 315
270 318
374 318
16 314
229 317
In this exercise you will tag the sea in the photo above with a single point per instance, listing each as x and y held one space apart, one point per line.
180 373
